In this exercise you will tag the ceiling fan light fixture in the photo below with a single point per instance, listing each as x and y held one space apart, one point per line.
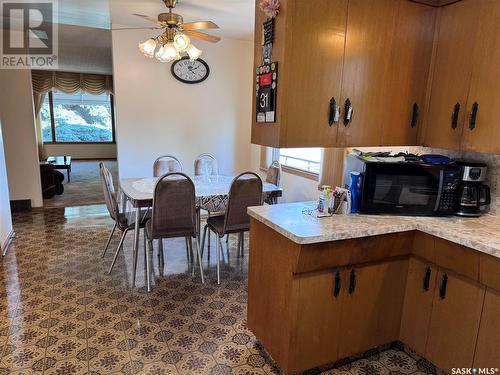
169 53
148 47
193 52
181 41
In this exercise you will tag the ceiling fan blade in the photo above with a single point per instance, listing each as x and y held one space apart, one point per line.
199 25
147 18
138 28
197 34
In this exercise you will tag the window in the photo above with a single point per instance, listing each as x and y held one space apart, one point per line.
77 118
302 159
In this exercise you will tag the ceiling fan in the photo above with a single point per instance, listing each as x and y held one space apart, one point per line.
175 39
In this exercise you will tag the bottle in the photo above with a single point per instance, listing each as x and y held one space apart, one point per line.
354 189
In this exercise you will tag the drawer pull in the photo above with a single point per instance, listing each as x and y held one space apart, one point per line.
336 288
427 279
334 114
454 116
443 286
348 110
352 282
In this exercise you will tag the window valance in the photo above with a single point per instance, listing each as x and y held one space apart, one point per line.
45 81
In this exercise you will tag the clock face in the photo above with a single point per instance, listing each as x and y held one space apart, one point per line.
188 71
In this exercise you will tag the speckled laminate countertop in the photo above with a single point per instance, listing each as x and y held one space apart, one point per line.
482 234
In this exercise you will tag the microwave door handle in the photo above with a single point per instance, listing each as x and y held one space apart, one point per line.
440 191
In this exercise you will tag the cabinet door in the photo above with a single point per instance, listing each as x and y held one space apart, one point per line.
317 319
454 325
451 76
488 349
417 306
315 58
365 82
485 85
371 307
409 70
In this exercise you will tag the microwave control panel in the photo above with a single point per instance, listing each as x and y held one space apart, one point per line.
449 188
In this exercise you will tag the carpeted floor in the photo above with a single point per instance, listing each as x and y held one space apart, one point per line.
85 186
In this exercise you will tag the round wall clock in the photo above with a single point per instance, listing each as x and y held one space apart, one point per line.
188 71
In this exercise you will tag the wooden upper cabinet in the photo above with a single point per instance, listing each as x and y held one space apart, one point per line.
451 77
408 74
366 77
309 49
485 84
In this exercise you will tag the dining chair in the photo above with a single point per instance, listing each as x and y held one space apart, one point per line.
206 164
245 191
273 176
166 164
173 215
121 219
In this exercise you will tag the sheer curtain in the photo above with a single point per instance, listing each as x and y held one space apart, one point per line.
44 81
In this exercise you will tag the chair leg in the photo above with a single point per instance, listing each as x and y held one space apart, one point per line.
109 240
147 250
227 240
218 261
238 252
242 244
120 245
203 240
199 260
161 257
208 246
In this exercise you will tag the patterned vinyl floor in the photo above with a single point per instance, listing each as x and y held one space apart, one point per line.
60 313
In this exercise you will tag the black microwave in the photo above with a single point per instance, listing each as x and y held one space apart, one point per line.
405 188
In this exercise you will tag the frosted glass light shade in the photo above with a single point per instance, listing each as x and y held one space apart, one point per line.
193 52
168 53
148 47
181 42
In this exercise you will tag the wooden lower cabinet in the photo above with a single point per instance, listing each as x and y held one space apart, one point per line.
371 307
417 306
317 319
454 323
488 347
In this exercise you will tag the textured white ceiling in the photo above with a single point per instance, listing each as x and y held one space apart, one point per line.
89 13
234 17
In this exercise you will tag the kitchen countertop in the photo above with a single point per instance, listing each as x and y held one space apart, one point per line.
293 222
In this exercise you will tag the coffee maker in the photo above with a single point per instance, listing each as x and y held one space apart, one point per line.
473 196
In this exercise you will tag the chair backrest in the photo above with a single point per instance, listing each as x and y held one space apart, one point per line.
109 191
166 164
174 211
206 164
245 191
273 175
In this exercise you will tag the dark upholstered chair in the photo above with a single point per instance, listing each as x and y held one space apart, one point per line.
52 181
166 164
121 219
206 164
273 176
245 191
173 215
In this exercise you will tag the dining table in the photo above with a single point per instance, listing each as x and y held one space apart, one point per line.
211 191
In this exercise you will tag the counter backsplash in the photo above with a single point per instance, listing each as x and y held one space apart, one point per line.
491 160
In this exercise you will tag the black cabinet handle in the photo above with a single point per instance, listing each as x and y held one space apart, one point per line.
454 116
348 111
334 112
352 282
473 116
427 279
442 287
414 115
336 288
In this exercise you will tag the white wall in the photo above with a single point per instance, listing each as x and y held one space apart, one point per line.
156 114
18 122
83 151
5 217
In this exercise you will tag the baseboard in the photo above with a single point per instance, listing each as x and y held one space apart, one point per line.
20 205
4 248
